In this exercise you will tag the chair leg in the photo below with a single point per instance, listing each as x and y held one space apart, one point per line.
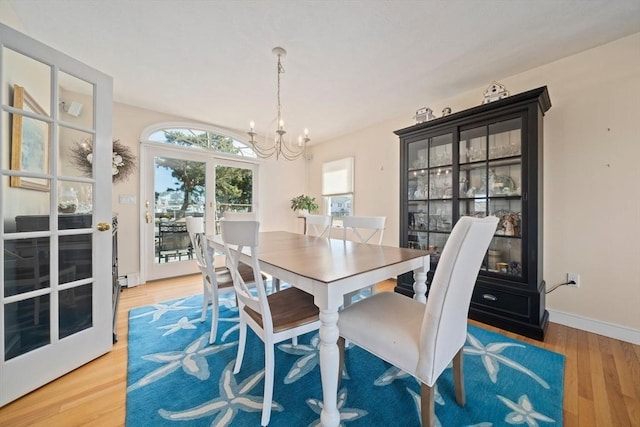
427 406
458 378
294 341
341 346
269 367
214 314
241 342
206 297
276 284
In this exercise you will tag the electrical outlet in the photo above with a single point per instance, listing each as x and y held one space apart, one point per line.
573 277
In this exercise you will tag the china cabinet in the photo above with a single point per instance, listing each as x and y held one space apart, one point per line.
486 160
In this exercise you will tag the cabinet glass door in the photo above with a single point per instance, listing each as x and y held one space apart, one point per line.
430 193
490 183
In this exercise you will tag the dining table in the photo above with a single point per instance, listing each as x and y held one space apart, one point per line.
329 269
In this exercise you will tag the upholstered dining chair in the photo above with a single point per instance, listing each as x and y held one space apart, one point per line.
318 225
214 281
363 229
274 318
422 339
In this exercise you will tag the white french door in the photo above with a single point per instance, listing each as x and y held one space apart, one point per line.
181 182
56 301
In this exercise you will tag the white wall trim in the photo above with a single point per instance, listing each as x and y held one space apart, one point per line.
610 330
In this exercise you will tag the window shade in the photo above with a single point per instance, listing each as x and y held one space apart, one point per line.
337 177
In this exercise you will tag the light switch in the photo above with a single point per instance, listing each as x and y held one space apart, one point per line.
127 199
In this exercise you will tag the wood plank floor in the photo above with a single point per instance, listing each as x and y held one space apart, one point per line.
602 375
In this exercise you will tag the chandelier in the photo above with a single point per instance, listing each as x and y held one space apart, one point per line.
279 146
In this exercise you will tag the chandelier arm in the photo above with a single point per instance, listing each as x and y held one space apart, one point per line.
291 157
264 152
292 151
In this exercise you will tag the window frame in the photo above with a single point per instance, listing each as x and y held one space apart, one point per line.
337 220
336 189
158 127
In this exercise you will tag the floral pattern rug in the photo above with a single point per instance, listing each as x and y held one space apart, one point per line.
176 378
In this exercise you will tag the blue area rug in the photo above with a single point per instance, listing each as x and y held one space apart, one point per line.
175 378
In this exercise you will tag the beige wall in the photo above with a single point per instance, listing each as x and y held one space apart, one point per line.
591 180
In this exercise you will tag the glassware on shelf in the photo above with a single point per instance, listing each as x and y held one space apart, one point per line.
67 201
423 239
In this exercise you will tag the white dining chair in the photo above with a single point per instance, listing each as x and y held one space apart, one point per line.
240 216
274 318
423 339
318 225
249 216
363 229
214 281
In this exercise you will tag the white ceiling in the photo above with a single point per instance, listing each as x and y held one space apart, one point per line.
350 64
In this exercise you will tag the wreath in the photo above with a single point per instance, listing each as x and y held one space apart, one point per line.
122 159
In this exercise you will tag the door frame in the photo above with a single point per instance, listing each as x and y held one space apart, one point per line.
148 151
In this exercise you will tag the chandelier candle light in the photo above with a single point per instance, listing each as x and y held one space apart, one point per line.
279 146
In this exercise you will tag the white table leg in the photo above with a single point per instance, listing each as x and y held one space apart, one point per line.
329 366
420 283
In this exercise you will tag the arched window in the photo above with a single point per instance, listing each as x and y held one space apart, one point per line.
198 138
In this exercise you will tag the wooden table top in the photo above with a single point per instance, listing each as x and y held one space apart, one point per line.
325 260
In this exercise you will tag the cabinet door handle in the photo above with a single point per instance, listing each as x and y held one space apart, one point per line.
490 297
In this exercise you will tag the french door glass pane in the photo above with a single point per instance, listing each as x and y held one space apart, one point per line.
26 326
75 309
76 100
179 192
75 153
14 67
26 265
75 257
234 191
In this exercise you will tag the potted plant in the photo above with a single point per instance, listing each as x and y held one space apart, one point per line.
304 204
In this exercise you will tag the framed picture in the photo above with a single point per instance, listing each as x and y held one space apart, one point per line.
29 143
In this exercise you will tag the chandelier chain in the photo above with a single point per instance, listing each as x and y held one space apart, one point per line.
279 106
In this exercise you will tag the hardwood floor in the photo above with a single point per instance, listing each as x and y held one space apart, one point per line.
602 375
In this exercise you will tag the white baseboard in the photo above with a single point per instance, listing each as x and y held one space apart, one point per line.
610 330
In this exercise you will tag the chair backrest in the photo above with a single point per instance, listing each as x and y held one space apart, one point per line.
444 326
319 225
240 216
195 228
364 227
236 237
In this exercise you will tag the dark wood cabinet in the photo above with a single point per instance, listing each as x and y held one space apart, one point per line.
486 160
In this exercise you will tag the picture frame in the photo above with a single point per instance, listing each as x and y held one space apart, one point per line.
29 143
